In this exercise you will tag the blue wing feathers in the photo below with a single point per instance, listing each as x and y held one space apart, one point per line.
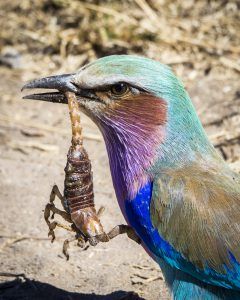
138 214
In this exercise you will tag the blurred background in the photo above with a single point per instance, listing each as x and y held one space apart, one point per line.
198 39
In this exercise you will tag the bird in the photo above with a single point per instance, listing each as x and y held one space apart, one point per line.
173 187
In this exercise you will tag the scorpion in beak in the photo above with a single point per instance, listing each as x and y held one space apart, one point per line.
78 197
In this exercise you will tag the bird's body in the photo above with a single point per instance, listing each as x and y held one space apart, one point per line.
173 187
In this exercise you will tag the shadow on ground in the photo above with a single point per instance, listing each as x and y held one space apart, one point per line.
35 290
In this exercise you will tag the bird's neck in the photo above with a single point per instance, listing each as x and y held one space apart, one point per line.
132 134
142 145
186 141
129 158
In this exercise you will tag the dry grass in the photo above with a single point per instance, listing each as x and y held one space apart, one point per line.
195 37
178 31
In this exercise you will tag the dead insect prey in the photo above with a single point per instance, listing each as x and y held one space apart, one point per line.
78 197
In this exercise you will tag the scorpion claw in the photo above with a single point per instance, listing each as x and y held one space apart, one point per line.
93 241
52 234
86 247
81 243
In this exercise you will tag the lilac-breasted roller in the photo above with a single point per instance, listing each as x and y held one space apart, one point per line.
174 189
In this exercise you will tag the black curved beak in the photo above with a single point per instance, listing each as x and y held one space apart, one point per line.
62 83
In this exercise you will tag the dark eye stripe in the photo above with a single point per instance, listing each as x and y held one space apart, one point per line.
117 89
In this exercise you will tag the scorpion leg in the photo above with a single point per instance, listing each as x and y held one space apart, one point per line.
52 226
100 211
81 243
121 229
56 192
117 230
66 216
66 246
50 207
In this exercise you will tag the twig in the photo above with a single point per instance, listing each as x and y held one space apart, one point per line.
141 276
7 274
221 119
143 279
21 145
34 36
225 138
147 9
178 61
230 63
23 237
206 45
109 11
28 237
16 239
143 267
154 279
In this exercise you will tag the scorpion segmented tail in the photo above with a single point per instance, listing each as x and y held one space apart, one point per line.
78 184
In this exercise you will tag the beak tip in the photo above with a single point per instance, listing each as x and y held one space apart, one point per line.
27 86
28 97
59 82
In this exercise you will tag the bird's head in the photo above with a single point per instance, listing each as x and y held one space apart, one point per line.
140 107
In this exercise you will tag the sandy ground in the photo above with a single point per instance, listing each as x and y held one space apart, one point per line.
34 140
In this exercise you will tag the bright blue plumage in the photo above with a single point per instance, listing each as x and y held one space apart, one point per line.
138 215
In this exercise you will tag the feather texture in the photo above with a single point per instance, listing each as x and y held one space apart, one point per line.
196 209
132 131
185 280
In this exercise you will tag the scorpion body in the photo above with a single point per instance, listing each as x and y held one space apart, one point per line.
78 197
78 184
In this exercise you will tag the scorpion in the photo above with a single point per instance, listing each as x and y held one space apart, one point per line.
78 196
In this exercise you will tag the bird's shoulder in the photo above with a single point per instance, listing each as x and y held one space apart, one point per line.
197 210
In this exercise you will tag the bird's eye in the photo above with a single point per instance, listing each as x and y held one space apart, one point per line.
119 89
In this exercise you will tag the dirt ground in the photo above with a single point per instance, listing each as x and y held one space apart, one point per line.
34 140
